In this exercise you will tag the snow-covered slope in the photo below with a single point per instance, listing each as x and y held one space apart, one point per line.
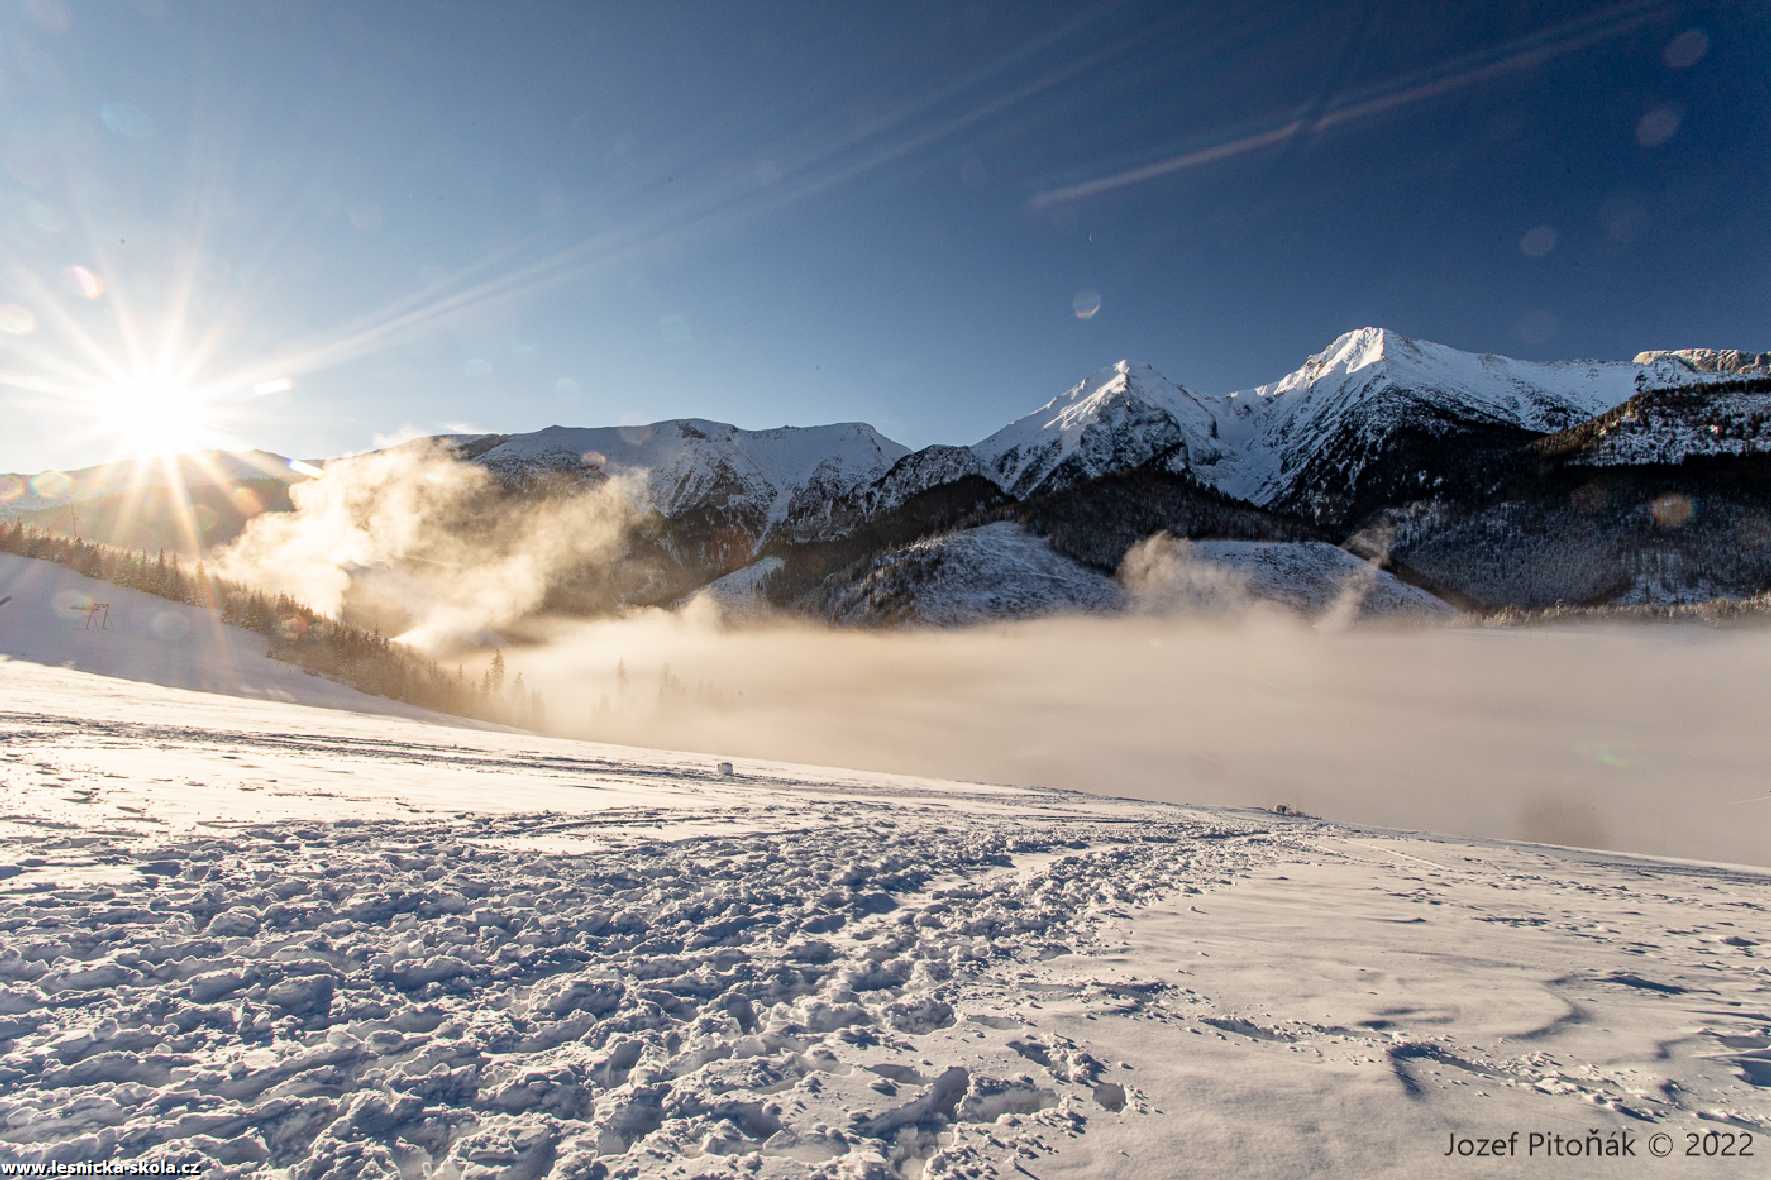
1309 577
1714 417
49 620
1003 571
998 571
1121 417
918 472
692 463
741 591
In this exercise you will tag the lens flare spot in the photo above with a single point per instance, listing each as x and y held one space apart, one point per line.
86 284
1086 304
51 485
479 366
1624 217
71 604
595 459
11 488
246 501
205 518
292 627
169 625
17 320
1538 326
1686 50
1538 241
1672 511
1658 126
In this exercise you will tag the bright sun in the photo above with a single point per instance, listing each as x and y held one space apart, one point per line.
156 417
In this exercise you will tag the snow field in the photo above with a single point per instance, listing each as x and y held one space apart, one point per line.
381 998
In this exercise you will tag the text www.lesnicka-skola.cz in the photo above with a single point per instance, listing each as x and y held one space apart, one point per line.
101 1168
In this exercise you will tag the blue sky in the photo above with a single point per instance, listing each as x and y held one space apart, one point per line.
500 216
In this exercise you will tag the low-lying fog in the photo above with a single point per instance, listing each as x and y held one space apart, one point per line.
1645 738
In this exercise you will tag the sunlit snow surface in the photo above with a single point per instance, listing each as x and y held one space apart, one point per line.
284 940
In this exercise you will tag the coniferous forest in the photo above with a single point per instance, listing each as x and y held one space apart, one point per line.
358 656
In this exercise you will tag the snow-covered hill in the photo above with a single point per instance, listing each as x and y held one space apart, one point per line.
918 472
1003 571
49 619
197 469
997 571
1309 577
1717 418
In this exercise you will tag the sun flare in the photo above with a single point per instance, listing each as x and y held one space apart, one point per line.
155 417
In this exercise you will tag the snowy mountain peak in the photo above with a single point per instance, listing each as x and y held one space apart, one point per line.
1304 440
1364 346
1425 364
1119 417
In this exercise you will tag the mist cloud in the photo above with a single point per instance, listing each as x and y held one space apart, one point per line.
1645 739
1162 575
414 535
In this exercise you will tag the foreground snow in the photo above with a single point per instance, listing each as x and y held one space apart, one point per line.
280 940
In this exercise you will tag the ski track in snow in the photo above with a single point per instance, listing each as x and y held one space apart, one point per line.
278 940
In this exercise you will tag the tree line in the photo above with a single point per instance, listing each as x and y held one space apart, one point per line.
358 656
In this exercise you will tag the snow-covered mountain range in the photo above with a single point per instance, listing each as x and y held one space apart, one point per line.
690 462
1294 443
1310 444
1374 422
